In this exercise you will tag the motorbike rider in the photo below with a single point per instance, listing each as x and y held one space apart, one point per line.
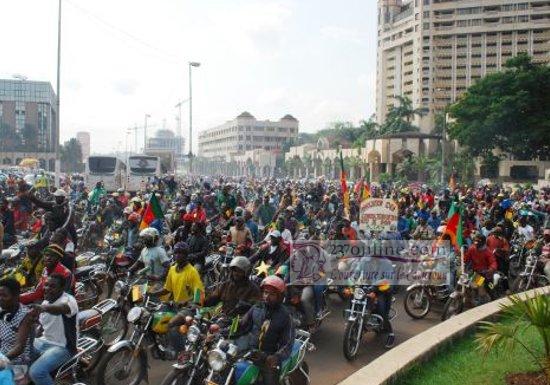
153 256
58 317
525 229
483 262
273 253
240 235
52 265
268 330
8 222
499 246
238 288
226 198
16 324
265 212
544 251
199 245
60 210
423 231
182 280
96 194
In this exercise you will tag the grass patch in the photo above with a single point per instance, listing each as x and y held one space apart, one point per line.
461 364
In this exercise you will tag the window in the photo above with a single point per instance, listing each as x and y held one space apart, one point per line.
523 6
426 14
426 2
523 19
19 116
508 19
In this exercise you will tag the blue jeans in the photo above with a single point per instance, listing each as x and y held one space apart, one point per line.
51 357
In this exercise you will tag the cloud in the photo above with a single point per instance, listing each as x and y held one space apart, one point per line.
344 34
125 86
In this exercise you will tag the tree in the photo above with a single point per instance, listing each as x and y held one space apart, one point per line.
399 117
508 110
71 155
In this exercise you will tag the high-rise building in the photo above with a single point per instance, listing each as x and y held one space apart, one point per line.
28 115
246 133
431 51
84 139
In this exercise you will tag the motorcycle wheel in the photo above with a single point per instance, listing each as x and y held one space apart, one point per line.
300 376
352 340
518 285
453 306
110 370
417 303
176 377
114 327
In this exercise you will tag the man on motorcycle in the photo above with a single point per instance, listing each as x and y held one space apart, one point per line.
60 210
273 253
265 212
240 235
238 288
545 252
182 280
423 231
16 324
58 317
199 246
482 261
153 256
96 194
268 330
52 265
499 246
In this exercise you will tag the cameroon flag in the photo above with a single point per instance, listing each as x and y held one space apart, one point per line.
152 212
454 225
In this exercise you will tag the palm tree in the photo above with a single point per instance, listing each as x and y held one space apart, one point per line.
399 117
517 316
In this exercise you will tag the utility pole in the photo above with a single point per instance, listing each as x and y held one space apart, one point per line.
145 132
443 140
191 64
58 120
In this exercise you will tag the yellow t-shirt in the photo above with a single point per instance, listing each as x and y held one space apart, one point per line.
183 284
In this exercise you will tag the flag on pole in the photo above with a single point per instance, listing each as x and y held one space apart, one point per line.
366 191
452 182
344 185
152 211
454 225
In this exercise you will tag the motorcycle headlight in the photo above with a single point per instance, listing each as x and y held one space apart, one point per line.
358 293
217 360
134 314
529 260
193 333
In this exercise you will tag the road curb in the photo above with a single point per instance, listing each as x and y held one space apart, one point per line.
385 369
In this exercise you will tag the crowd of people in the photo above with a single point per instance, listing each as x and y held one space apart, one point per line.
260 217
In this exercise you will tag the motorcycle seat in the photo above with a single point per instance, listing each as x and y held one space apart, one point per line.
83 271
88 318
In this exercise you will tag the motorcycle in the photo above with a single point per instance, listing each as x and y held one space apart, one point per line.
217 266
88 286
530 277
361 319
191 366
228 366
127 360
295 307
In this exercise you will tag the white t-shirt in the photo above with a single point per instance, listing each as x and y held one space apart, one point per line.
61 330
526 232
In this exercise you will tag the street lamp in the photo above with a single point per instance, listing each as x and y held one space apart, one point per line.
191 64
58 118
145 133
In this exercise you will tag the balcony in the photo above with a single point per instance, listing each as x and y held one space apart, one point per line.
444 27
444 16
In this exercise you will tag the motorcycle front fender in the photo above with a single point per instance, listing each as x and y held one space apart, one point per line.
414 286
456 294
121 345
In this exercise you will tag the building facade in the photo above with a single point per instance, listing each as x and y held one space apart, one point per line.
166 140
431 51
28 118
84 139
245 133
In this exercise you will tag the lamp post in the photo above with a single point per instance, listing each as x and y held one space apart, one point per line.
191 64
145 132
58 90
443 140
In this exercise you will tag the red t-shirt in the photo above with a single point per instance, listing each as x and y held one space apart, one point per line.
482 259
38 293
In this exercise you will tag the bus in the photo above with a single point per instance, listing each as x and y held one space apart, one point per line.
107 169
141 168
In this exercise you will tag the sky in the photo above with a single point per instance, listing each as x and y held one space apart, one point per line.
122 59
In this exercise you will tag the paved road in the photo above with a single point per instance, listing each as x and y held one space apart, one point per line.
327 363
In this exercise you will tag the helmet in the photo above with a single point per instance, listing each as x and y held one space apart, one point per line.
239 211
275 234
134 217
120 190
127 210
149 232
59 193
274 282
241 263
181 247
